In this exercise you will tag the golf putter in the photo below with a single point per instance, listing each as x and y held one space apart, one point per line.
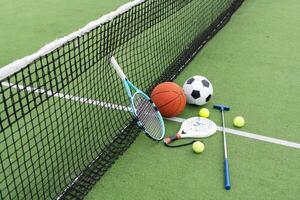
223 108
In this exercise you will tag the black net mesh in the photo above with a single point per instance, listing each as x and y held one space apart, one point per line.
64 117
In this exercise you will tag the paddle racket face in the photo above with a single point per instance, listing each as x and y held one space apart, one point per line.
142 108
195 127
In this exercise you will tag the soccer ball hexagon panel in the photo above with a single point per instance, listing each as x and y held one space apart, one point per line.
198 90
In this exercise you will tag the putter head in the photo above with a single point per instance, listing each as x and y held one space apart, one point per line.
221 107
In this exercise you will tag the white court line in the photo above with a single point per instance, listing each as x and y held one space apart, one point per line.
125 108
250 135
82 100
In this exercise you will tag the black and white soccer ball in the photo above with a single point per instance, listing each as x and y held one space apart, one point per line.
198 90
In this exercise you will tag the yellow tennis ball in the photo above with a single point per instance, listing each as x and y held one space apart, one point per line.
198 147
204 112
239 121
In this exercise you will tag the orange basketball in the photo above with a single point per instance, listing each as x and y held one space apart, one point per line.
169 99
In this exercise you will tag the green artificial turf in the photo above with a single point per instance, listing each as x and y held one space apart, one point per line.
151 171
253 64
27 25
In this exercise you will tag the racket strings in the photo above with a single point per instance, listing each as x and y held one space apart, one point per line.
146 112
148 116
148 119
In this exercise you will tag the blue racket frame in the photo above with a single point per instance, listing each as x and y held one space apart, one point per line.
127 84
128 87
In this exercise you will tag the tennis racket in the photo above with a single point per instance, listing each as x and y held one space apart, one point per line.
195 127
142 108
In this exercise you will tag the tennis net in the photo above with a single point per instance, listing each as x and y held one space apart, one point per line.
63 110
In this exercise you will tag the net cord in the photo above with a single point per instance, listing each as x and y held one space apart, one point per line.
17 65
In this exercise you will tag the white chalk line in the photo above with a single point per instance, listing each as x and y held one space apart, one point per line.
82 100
126 108
250 135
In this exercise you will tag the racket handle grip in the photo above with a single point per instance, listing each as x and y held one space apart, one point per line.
117 67
226 173
172 138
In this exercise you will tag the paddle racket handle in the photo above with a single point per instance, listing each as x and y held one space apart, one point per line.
226 173
172 138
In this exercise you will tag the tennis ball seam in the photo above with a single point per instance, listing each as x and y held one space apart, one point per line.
239 121
202 109
195 148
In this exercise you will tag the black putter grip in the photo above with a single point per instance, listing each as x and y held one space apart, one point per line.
171 139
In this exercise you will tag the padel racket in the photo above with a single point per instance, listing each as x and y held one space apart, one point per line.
142 108
195 127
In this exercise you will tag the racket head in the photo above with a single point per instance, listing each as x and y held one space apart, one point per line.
197 127
148 116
